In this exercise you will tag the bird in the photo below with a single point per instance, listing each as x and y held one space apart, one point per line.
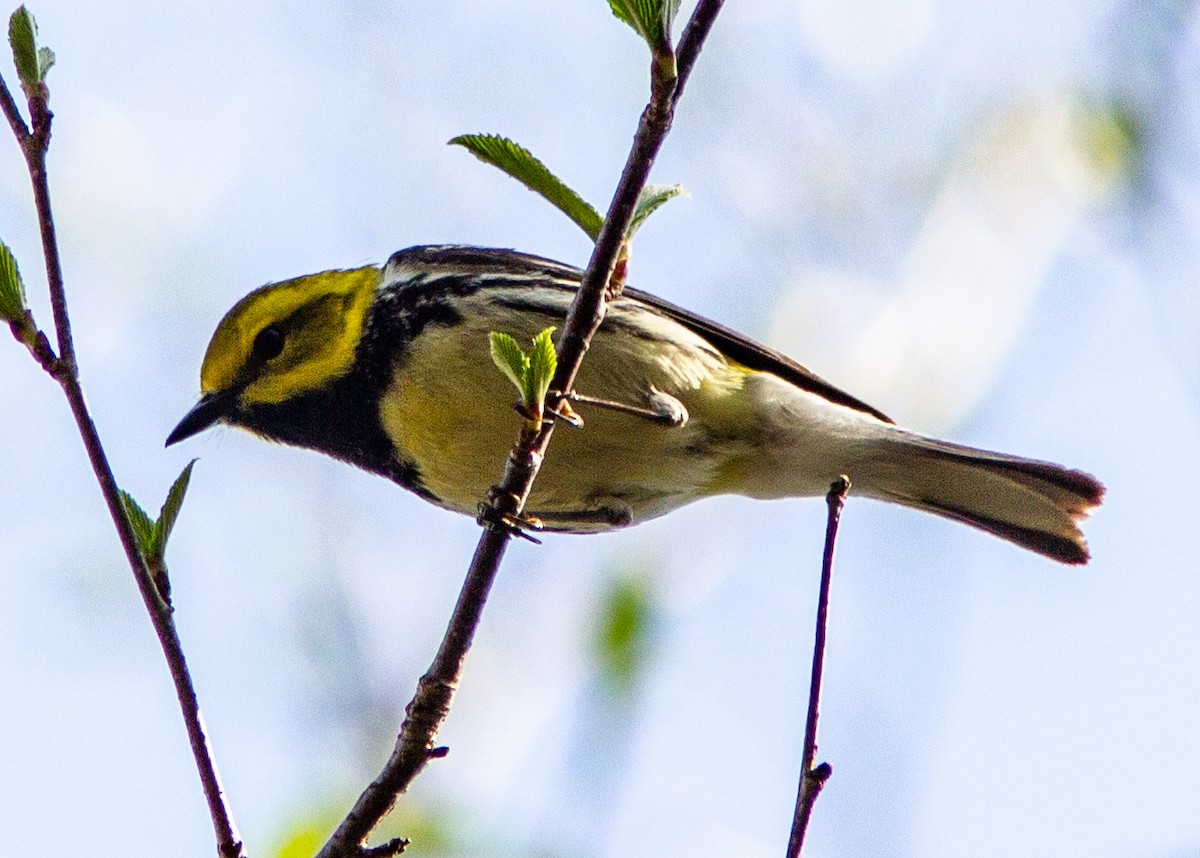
388 368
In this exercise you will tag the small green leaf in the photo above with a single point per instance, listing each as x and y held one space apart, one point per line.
22 36
507 355
170 510
530 373
152 535
32 63
543 362
651 198
620 8
518 162
12 288
143 527
46 61
650 19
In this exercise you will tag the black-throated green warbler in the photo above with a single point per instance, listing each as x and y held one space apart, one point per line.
388 369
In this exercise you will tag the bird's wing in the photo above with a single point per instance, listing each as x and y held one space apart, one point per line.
754 355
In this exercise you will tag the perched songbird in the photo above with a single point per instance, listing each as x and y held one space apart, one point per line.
389 369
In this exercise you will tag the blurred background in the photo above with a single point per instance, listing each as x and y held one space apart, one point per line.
982 218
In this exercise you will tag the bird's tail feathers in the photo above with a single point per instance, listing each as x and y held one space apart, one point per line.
1037 505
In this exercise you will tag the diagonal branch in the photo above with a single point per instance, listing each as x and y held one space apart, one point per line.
415 745
13 114
64 369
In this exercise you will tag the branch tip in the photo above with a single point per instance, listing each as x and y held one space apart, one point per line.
813 778
395 846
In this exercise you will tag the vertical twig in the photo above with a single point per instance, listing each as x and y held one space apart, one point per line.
435 690
812 779
63 367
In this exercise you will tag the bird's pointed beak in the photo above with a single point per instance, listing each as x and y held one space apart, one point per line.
205 413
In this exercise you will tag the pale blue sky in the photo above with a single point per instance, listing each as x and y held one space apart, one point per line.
912 198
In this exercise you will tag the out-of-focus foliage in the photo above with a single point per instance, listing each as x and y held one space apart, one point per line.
623 632
430 830
1113 136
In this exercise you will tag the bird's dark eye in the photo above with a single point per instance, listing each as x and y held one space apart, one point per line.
268 344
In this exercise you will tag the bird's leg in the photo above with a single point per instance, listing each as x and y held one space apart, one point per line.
571 520
661 408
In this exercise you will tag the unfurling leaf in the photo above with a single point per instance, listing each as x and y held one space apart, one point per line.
649 201
12 288
143 527
31 61
530 373
543 362
152 535
170 509
507 355
651 19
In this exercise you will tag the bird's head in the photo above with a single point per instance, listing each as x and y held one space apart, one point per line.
281 341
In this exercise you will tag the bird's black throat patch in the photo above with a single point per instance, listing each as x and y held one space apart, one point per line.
342 419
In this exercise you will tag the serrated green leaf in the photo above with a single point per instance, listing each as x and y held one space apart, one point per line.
519 162
12 288
543 362
508 356
170 510
32 63
670 8
651 198
650 19
620 8
139 521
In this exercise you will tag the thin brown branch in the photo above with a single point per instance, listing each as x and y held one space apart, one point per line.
393 847
13 114
35 156
692 40
813 778
435 691
25 331
64 369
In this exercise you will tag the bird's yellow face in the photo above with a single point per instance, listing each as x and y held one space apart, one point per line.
288 338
